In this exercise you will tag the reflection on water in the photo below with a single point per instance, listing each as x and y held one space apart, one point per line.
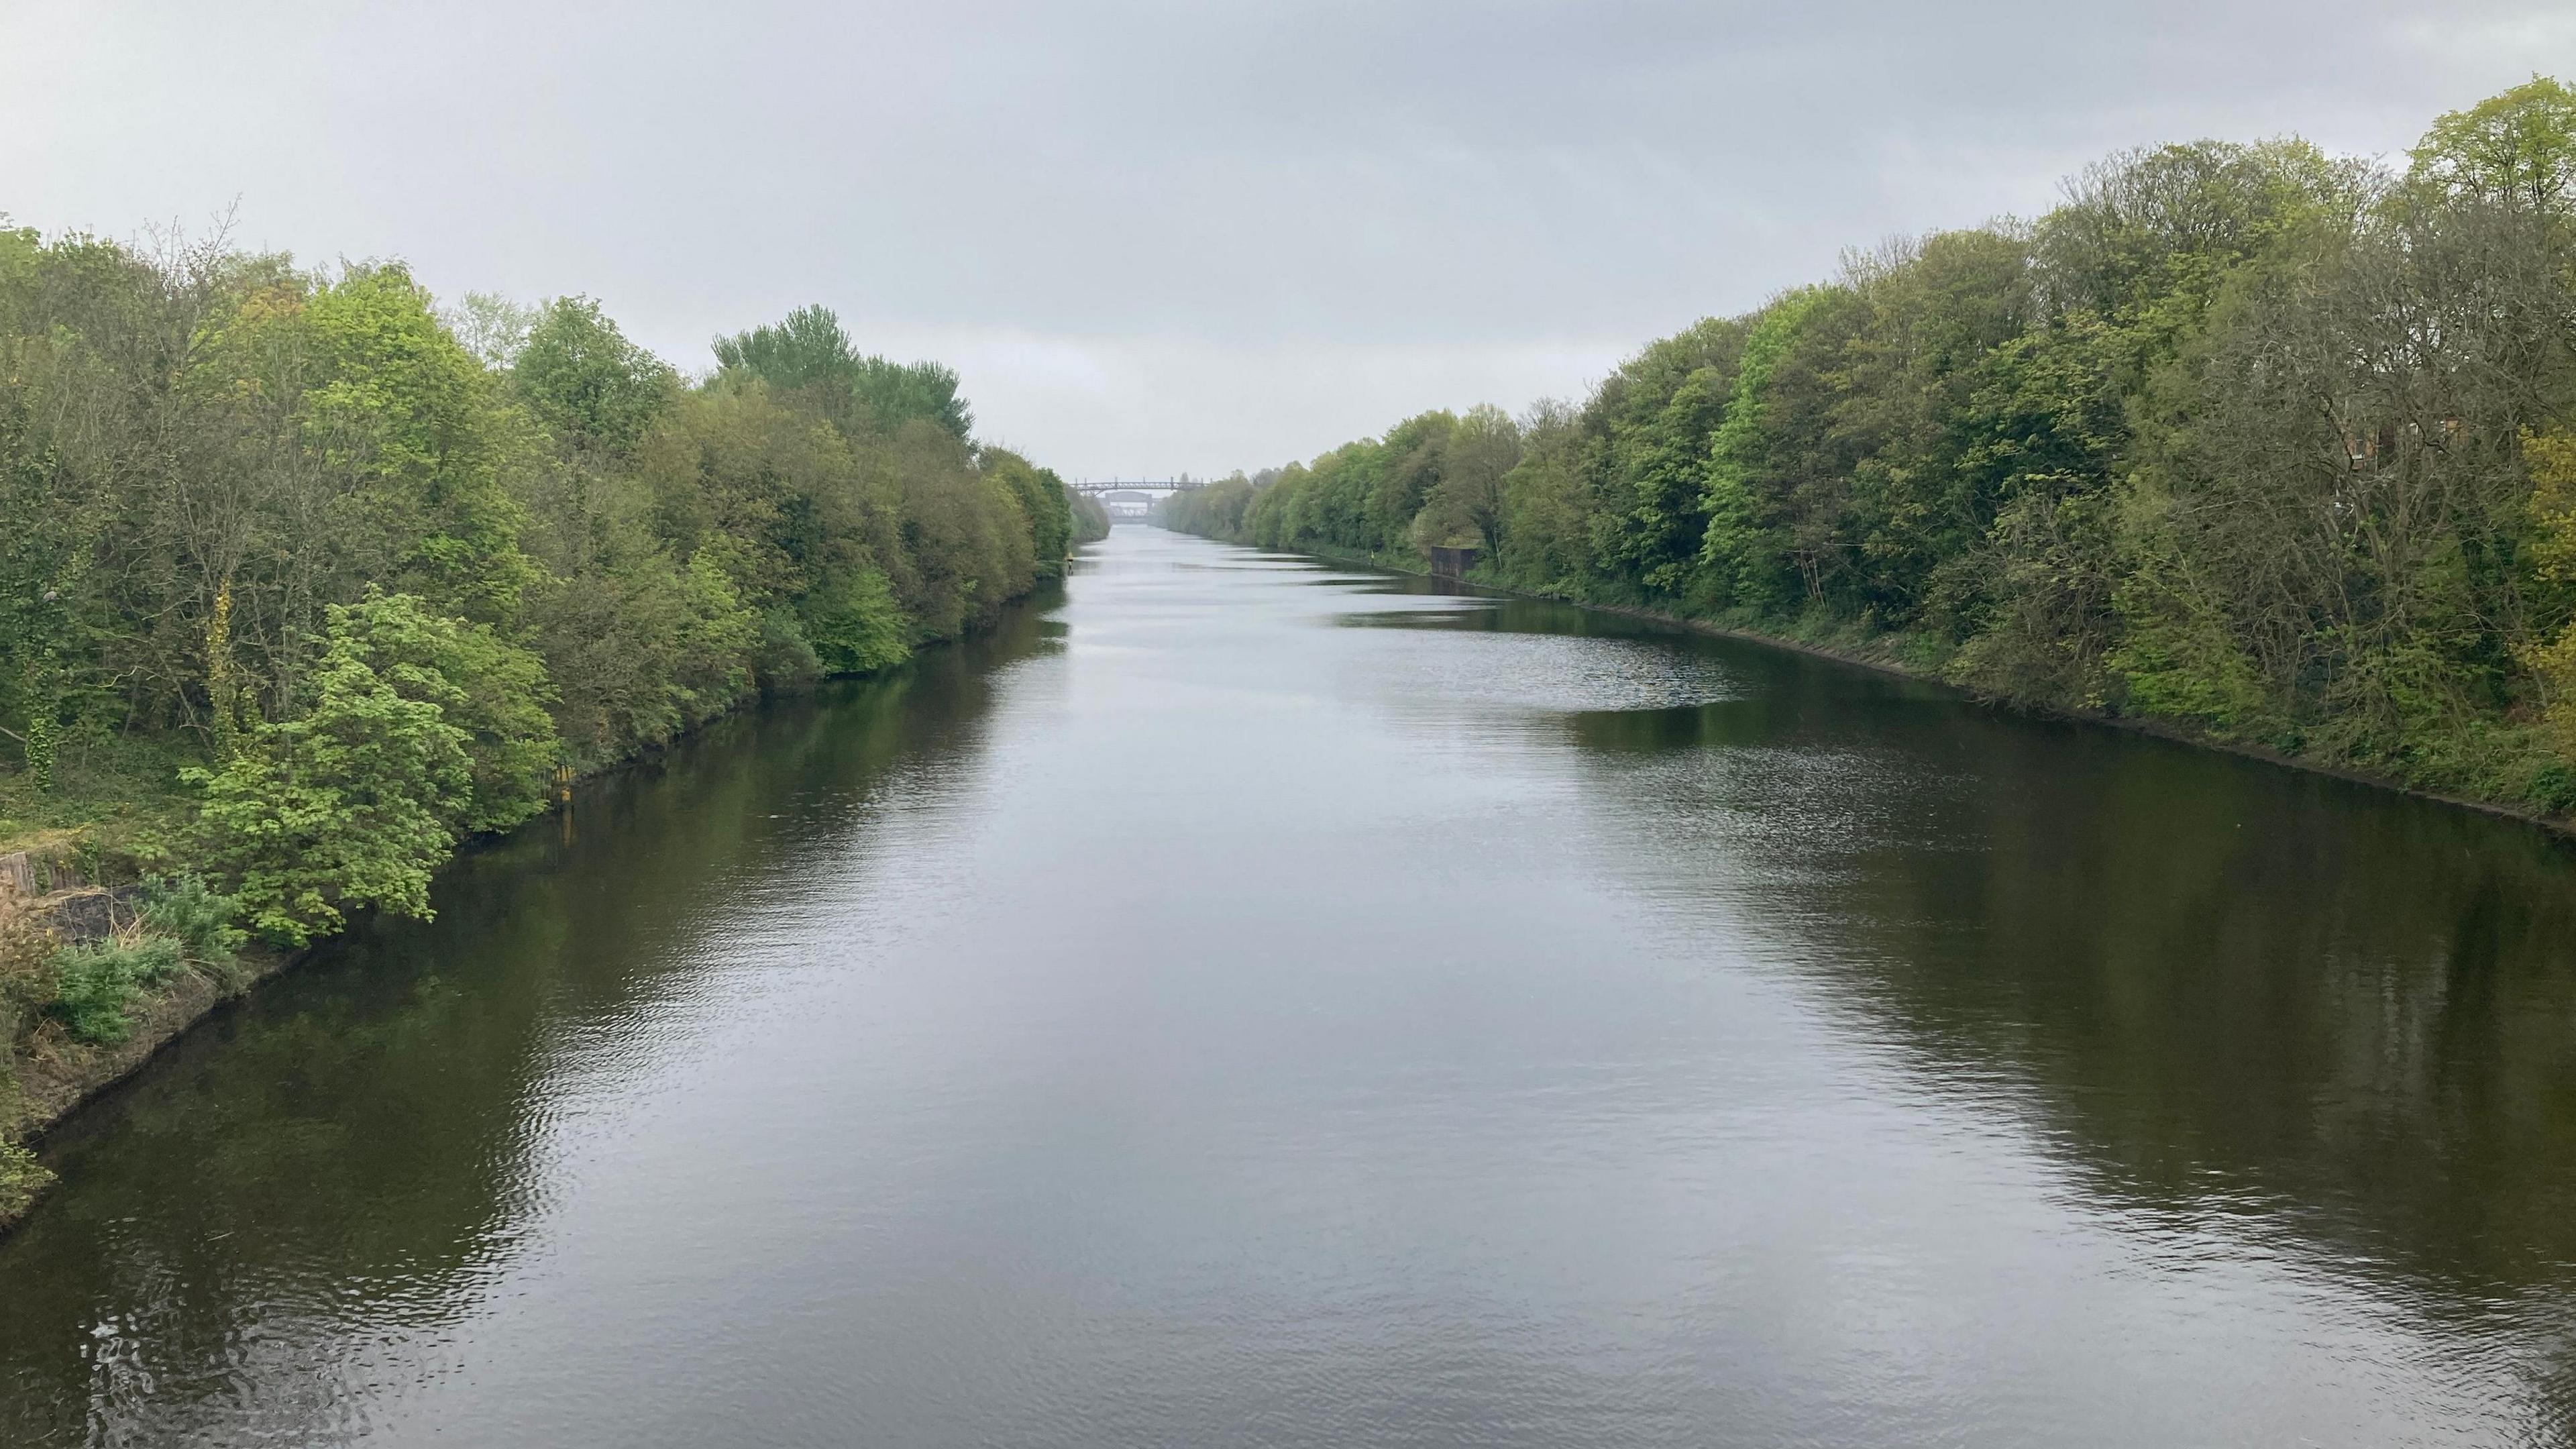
1259 1002
288 1220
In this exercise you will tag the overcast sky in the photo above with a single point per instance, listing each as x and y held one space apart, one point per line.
1161 237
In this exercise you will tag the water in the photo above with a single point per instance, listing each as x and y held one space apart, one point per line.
1255 1003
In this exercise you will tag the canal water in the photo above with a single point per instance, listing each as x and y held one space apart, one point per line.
1253 1002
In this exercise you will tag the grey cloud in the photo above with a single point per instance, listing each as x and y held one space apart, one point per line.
1199 198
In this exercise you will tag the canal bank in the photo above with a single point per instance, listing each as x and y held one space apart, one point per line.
50 1084
1885 654
42 1088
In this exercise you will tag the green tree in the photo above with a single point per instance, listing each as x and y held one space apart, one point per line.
2044 434
42 559
1549 505
1471 498
1651 422
1043 500
491 327
494 691
811 350
587 383
402 410
1746 548
1934 314
2514 150
856 627
350 805
2552 460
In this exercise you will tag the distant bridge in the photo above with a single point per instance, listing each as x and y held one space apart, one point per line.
1133 498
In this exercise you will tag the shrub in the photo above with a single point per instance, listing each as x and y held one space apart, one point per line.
856 626
96 983
191 912
786 659
21 1178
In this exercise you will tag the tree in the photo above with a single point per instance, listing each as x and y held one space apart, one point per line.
491 327
1042 499
378 569
2516 150
892 394
1651 422
1745 549
587 383
1480 452
811 350
1935 312
2044 430
1402 472
494 691
42 560
404 414
1548 505
2552 460
349 805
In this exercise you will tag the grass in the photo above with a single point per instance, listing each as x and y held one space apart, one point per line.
114 798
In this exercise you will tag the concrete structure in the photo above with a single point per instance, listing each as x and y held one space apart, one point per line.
1452 563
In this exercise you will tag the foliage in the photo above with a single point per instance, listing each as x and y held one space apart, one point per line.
1468 502
303 579
585 382
400 409
26 985
351 804
370 572
22 1177
1042 500
2244 438
491 327
187 910
1745 548
26 988
2552 658
810 352
495 692
2516 150
98 983
1089 519
855 626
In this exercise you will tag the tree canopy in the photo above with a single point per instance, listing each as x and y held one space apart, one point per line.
371 573
2240 437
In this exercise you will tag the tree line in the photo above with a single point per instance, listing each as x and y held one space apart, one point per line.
2264 443
303 578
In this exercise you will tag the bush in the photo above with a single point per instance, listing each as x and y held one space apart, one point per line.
856 626
191 912
21 1178
786 659
2553 788
96 983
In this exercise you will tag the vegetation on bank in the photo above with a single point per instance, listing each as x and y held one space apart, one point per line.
1090 518
304 580
2257 442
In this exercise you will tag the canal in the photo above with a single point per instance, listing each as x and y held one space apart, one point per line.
1253 1002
